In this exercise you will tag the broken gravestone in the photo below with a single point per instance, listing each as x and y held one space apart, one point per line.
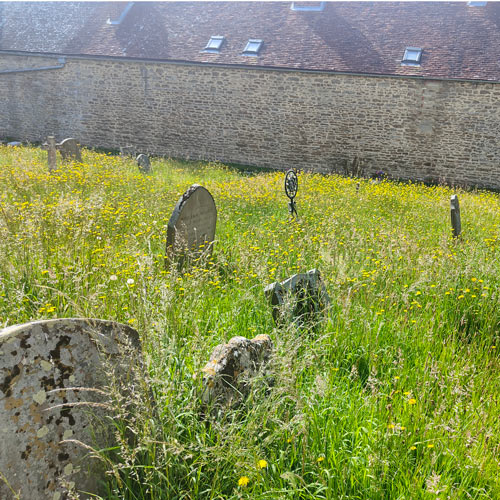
191 228
143 163
56 377
69 149
227 375
456 223
299 298
51 148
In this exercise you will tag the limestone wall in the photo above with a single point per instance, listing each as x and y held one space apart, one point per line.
408 128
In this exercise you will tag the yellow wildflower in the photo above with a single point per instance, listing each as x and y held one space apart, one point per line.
243 481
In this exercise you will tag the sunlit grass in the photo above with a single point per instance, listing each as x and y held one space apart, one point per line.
394 395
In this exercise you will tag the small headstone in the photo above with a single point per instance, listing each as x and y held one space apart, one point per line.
54 375
143 163
226 377
191 228
456 223
69 149
127 151
299 298
51 152
14 143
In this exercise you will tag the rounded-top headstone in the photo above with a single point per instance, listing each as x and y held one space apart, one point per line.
143 163
191 228
55 378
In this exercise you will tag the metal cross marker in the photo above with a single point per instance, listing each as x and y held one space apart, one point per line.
291 186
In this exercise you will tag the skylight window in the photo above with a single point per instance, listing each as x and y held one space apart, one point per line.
476 4
412 56
308 6
214 44
253 47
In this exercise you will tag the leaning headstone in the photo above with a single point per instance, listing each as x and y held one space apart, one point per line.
227 376
299 298
456 223
69 149
51 148
55 382
143 163
14 143
191 228
127 151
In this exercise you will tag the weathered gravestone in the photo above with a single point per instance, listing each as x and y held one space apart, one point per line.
299 298
456 223
50 146
55 383
14 143
227 375
143 163
191 228
127 151
69 149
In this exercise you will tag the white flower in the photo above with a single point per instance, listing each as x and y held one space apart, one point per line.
130 281
113 277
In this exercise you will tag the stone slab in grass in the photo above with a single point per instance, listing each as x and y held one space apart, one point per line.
299 298
227 375
191 228
56 378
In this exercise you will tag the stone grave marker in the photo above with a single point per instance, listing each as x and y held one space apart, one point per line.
50 146
191 228
14 143
127 151
299 298
143 163
69 149
456 223
226 377
55 377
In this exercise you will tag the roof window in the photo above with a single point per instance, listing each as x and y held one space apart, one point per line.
412 56
214 44
253 47
308 6
477 4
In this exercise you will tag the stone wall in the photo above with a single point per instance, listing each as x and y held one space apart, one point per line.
408 128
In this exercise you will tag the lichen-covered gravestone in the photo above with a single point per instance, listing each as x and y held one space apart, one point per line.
69 149
191 228
143 163
56 377
226 377
299 298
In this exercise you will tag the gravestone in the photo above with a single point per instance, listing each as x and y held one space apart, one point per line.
227 375
456 223
127 151
191 228
14 143
69 149
55 378
51 146
143 163
299 298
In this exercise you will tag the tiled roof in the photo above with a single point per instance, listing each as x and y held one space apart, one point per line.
458 40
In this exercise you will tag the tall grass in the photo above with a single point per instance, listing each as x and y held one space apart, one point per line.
394 395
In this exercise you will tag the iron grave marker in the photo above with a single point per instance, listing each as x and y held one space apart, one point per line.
191 228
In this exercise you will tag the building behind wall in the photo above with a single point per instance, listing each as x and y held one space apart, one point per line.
410 89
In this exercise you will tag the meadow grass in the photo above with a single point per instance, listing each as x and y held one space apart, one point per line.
394 394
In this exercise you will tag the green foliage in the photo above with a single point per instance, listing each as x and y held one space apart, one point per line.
393 395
